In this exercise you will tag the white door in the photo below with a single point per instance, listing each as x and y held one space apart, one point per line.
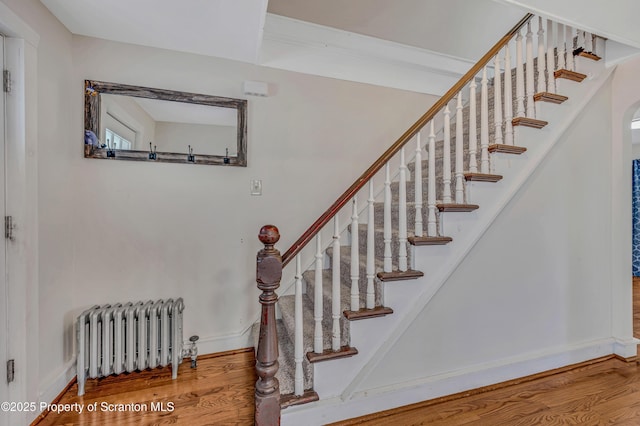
4 311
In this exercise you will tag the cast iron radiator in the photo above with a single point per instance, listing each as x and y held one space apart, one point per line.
118 338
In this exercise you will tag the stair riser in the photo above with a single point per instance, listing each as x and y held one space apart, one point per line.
411 191
345 285
288 320
411 216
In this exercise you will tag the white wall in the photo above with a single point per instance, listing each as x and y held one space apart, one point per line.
171 230
625 104
538 280
183 230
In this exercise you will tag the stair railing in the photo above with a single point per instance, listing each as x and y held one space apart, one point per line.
439 105
512 106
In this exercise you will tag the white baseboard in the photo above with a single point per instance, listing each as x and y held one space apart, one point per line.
400 394
626 348
231 341
51 388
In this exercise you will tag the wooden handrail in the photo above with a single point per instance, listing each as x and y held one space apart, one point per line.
393 150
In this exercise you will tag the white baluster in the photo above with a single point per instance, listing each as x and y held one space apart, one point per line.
484 123
497 102
387 265
569 40
298 335
418 187
402 213
317 302
562 48
335 287
371 255
459 152
530 90
551 61
542 84
580 40
355 258
432 230
508 99
473 128
588 42
446 159
519 78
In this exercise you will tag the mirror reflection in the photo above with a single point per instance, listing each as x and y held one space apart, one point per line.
137 123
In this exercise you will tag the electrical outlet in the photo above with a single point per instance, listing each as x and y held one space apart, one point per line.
256 187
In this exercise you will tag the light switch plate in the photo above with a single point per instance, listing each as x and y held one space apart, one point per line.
256 187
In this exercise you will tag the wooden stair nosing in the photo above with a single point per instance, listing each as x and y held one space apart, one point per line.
553 98
529 122
569 75
482 177
329 354
429 241
364 313
290 400
399 275
507 149
453 207
589 55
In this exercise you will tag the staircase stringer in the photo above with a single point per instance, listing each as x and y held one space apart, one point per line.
346 375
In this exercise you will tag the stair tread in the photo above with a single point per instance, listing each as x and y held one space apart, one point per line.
529 122
429 241
289 400
364 313
482 177
328 354
456 207
507 149
400 275
553 98
569 75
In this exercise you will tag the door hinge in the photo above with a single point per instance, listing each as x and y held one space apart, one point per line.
11 370
8 228
6 81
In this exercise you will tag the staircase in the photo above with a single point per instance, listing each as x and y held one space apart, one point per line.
439 186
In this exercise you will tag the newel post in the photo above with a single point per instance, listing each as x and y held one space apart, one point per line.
268 274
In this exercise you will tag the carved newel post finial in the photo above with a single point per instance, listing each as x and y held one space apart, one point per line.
268 274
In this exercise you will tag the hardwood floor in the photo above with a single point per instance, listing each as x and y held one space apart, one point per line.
218 392
605 392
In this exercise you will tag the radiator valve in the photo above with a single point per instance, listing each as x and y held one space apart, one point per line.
191 351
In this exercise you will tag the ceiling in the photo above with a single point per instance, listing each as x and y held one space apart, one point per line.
436 25
372 41
229 29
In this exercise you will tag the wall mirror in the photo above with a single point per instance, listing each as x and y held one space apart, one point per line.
123 122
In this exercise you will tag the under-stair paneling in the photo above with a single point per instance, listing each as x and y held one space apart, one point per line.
536 281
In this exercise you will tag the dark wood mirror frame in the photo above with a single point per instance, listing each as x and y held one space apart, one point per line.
93 90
